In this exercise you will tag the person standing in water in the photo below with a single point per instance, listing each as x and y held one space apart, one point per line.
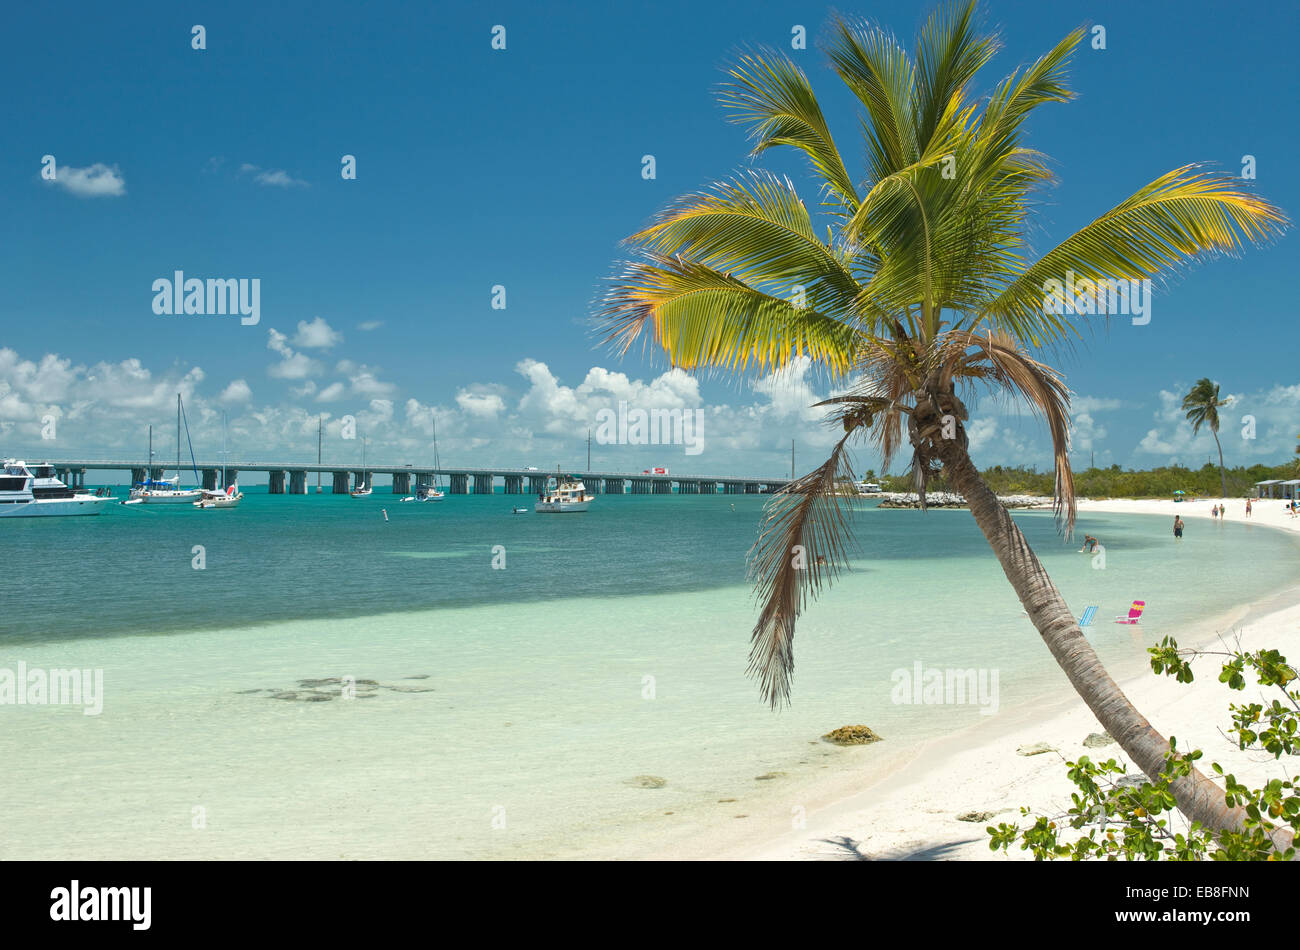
1178 527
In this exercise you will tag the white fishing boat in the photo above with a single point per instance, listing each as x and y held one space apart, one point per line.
166 491
230 496
562 495
34 492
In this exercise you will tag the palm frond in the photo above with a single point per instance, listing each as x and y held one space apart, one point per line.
756 229
772 96
801 548
702 318
878 71
1183 215
948 55
1045 391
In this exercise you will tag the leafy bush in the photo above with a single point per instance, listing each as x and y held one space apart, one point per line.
1133 822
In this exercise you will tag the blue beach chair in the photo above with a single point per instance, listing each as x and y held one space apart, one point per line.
1089 614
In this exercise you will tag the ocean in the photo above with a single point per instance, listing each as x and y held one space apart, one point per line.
521 686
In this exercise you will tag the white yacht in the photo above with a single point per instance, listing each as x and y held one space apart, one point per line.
563 495
34 491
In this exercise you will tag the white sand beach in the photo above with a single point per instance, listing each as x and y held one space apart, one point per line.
913 813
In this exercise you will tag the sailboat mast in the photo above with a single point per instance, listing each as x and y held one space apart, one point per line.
320 436
178 433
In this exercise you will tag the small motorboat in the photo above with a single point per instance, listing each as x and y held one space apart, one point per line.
425 493
520 511
230 498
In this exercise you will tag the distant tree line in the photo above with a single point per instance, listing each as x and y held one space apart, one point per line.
1113 482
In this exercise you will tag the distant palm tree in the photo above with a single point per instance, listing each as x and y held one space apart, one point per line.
918 280
1202 408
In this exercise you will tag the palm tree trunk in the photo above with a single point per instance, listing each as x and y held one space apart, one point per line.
1198 798
1223 479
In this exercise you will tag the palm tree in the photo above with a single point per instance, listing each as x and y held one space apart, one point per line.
915 289
1202 408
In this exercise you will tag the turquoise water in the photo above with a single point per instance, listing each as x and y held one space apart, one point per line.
518 710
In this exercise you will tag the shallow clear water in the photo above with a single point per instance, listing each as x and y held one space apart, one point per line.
612 646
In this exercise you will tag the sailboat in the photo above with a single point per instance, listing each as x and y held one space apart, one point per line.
363 487
231 496
166 491
430 492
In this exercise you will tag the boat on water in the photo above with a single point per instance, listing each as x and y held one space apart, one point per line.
562 495
430 492
521 511
425 493
166 491
161 491
362 487
33 491
230 496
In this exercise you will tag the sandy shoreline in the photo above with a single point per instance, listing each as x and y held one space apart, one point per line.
912 814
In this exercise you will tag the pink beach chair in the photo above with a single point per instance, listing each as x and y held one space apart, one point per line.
1134 612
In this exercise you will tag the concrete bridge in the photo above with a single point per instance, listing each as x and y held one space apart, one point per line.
292 478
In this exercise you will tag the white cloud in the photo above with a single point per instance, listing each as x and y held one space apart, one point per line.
97 181
331 393
316 335
369 325
366 383
292 365
1094 404
237 391
480 404
274 178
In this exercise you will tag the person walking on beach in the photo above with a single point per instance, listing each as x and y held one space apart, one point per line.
1247 507
1178 527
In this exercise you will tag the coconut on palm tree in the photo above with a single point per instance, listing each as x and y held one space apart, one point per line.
1202 408
913 289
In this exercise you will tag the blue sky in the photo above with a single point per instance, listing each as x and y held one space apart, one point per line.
522 168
